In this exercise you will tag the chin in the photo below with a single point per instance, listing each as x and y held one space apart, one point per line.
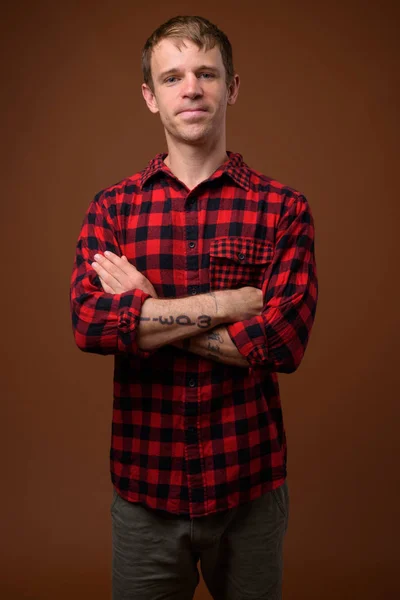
199 135
194 134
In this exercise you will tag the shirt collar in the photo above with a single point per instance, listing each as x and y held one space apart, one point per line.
234 167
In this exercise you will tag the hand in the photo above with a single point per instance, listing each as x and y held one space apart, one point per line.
117 275
242 304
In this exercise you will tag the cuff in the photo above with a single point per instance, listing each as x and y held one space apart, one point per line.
130 308
250 340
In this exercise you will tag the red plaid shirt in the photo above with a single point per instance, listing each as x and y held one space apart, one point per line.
191 435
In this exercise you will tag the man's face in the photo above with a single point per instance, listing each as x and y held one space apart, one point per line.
190 91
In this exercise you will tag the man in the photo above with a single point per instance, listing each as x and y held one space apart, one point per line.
198 274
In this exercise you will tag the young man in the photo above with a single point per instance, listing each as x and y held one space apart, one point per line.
198 274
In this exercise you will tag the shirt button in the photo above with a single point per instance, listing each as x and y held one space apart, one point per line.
192 382
192 244
241 256
191 429
193 291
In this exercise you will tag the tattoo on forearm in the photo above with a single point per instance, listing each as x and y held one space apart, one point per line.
214 348
215 336
167 321
215 300
202 321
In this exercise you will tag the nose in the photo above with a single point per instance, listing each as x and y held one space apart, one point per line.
192 86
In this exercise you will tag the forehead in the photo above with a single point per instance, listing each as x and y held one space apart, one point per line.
173 53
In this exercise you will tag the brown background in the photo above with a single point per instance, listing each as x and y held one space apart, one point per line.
318 111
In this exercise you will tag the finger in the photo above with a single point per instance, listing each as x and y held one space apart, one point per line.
120 261
111 266
107 277
121 270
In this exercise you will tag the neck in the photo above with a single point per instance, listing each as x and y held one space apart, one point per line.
193 164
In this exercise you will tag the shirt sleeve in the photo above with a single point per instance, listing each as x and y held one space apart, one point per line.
277 339
102 323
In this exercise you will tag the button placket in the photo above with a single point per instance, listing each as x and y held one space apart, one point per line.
193 442
191 416
191 234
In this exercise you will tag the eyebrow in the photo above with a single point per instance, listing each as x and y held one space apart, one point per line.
176 70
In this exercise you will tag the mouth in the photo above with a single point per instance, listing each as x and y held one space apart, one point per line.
192 112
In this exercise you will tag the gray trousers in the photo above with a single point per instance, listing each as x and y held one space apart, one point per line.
155 554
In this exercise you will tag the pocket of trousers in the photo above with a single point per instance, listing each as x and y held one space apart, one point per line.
281 497
114 499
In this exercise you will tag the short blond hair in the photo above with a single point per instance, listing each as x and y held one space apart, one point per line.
198 30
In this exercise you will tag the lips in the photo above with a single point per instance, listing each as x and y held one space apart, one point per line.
192 110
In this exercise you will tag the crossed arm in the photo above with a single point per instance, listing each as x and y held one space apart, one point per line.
270 330
217 345
203 334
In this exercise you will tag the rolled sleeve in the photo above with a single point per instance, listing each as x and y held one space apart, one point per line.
128 323
102 323
278 338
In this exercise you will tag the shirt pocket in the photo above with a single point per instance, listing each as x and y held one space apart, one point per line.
236 262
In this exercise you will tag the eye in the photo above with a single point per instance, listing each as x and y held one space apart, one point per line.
207 75
170 79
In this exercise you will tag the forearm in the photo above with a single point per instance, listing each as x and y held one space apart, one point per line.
216 345
167 321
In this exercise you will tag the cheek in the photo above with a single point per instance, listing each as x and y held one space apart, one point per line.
220 100
163 109
167 117
166 109
221 105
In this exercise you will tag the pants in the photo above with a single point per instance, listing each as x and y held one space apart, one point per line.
155 554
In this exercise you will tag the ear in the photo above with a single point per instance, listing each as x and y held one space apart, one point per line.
150 98
233 90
